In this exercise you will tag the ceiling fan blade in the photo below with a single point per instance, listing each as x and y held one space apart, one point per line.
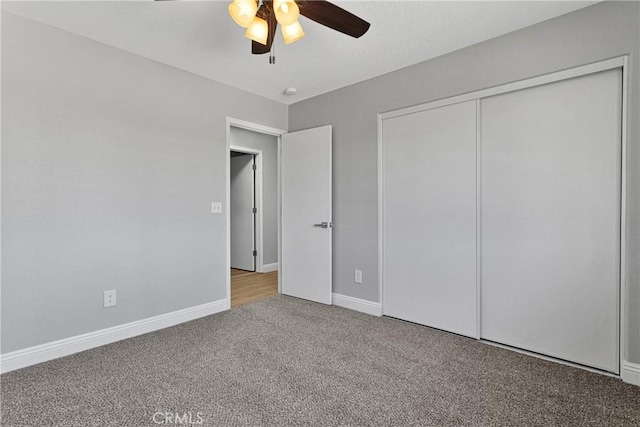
270 17
332 16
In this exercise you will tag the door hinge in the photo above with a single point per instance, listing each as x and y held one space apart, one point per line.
255 167
255 253
255 210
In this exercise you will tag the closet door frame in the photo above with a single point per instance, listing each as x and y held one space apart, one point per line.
609 64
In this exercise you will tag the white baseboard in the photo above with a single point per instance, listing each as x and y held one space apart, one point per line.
357 304
267 268
53 350
630 373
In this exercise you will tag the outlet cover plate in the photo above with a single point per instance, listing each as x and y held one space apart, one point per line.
110 298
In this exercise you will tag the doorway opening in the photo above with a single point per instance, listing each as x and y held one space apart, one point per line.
243 211
253 214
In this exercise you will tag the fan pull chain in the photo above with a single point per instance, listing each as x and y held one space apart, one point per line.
272 54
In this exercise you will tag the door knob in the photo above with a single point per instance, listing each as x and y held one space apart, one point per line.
324 225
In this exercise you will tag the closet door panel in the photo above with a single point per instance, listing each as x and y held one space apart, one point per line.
429 184
550 219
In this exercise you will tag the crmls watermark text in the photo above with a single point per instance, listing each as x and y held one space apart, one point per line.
177 418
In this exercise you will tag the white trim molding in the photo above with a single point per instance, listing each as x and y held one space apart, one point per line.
267 268
357 304
67 346
630 373
622 305
595 67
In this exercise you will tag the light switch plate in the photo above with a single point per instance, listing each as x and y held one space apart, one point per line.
358 276
216 207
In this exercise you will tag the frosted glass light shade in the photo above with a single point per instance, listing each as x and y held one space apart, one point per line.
258 30
292 33
287 11
243 11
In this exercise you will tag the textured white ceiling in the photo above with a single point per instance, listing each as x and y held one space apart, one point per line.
200 37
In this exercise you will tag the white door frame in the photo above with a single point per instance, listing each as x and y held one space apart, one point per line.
628 371
254 127
258 201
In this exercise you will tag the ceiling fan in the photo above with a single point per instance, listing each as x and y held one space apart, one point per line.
261 18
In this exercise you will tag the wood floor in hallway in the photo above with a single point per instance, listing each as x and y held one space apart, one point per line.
247 286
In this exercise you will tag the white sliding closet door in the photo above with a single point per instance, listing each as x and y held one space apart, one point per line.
550 219
429 232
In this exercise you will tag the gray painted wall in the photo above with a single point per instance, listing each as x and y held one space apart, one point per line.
109 165
592 34
269 146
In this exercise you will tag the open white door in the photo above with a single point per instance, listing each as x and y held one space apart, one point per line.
242 212
305 267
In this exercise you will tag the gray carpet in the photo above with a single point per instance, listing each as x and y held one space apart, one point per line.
284 361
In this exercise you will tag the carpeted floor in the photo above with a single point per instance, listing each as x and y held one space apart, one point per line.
284 361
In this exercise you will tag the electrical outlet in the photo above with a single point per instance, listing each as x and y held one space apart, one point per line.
358 276
110 298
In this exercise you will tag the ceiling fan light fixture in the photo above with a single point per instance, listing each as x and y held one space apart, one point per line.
258 30
292 33
243 11
287 11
